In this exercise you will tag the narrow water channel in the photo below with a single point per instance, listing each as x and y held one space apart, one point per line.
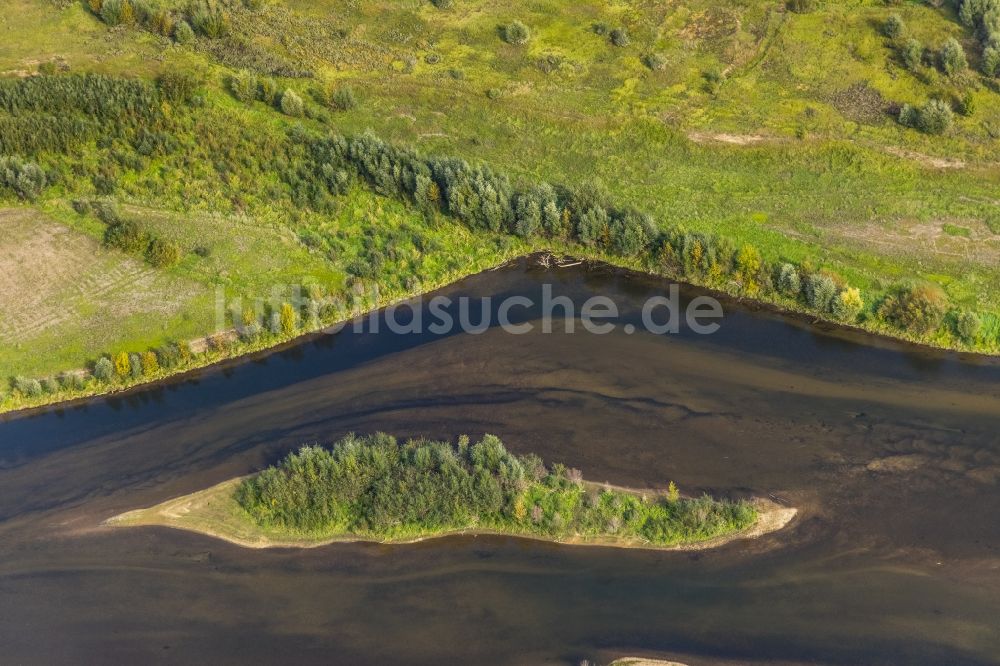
891 453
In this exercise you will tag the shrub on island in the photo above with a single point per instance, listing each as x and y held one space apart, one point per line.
382 488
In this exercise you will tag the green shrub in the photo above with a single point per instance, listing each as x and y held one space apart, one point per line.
209 18
893 27
135 365
343 99
269 91
966 104
516 33
443 4
291 103
789 281
178 85
935 117
24 178
916 308
912 54
116 12
953 57
820 291
243 86
183 33
104 369
991 60
50 385
28 387
127 236
162 253
655 61
620 37
967 326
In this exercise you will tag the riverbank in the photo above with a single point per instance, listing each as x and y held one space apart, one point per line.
215 512
236 350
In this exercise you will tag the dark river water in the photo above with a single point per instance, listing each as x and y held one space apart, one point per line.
892 455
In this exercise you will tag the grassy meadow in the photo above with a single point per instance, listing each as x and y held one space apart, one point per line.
737 118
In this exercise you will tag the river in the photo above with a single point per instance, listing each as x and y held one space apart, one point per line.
891 453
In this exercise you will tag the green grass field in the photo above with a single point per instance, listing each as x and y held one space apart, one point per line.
736 117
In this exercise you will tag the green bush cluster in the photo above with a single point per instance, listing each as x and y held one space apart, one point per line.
129 236
983 16
57 113
934 117
22 177
917 308
516 33
376 486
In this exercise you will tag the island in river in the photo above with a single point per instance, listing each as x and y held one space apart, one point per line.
379 489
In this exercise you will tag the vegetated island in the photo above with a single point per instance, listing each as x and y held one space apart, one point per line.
376 488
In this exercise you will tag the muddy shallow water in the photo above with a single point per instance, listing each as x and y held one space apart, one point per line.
891 453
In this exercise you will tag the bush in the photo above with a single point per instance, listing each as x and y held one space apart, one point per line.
820 292
29 388
123 365
288 319
343 99
291 103
183 33
968 326
243 86
893 27
104 369
991 60
789 282
116 12
935 117
163 253
26 179
127 236
516 33
912 54
848 304
178 85
620 37
135 365
269 91
208 18
50 385
918 308
150 364
953 57
655 61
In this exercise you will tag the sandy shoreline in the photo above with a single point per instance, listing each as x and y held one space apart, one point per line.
213 512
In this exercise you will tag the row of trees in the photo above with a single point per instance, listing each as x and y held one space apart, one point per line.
107 370
380 487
